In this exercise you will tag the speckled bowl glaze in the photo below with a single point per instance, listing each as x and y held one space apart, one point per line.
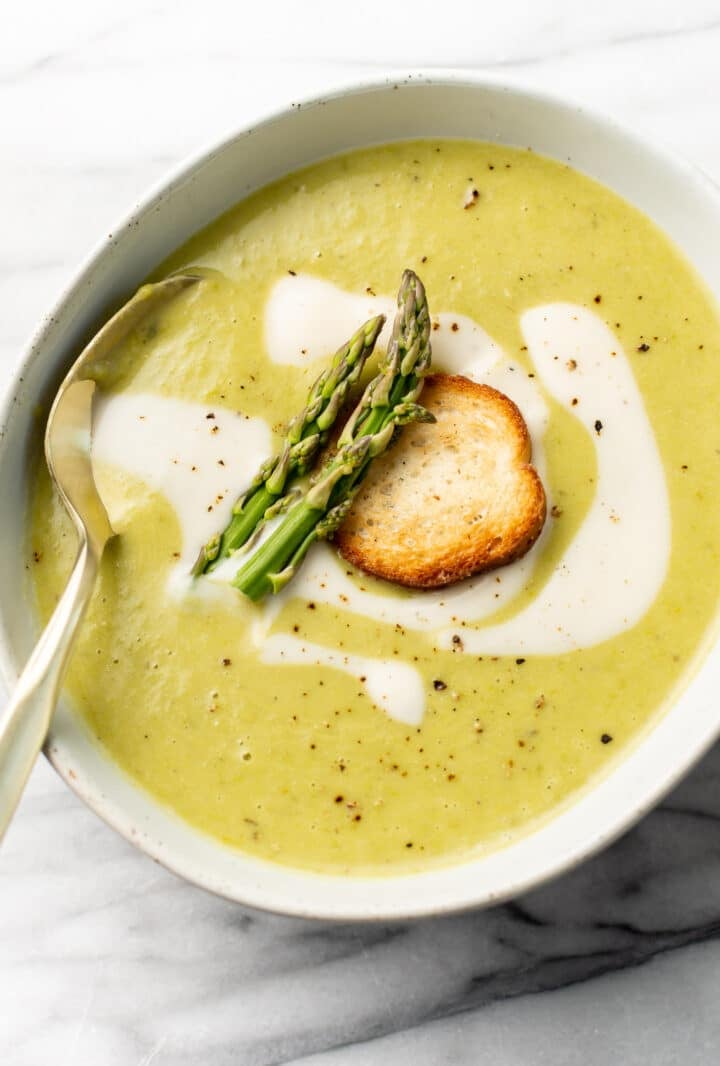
675 195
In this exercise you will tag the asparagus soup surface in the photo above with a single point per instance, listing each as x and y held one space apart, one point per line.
347 725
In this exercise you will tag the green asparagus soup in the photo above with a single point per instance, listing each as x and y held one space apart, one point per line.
348 726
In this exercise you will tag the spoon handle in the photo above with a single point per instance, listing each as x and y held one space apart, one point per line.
26 719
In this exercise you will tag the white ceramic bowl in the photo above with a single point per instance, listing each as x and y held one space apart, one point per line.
676 196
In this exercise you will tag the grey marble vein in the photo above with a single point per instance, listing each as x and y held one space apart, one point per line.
640 37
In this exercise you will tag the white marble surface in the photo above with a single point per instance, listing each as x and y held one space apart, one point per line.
106 959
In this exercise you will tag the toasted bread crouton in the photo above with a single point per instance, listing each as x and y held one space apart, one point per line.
449 499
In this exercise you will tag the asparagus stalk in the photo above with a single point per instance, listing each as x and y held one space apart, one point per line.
389 401
304 436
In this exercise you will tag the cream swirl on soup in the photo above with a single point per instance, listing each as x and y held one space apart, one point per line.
602 585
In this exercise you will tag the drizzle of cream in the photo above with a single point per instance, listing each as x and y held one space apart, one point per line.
195 455
616 564
307 319
393 686
605 582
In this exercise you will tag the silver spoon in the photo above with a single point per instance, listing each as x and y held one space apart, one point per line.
25 721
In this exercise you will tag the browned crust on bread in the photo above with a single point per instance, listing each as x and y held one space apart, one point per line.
449 499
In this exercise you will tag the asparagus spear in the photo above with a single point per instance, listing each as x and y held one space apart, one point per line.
389 401
304 436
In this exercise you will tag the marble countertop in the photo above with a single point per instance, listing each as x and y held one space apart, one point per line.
107 959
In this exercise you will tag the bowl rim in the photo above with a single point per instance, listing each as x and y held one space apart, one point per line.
564 860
